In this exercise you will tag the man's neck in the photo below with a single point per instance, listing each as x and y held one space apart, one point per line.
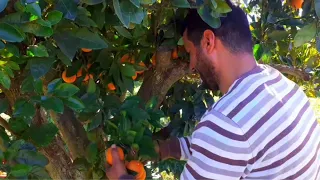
234 66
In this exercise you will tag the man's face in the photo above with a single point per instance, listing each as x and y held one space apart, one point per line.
201 63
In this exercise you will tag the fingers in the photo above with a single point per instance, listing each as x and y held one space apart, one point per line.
115 154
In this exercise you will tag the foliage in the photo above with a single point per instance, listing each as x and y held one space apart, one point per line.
88 39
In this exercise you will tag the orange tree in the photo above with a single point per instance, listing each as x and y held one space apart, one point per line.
79 75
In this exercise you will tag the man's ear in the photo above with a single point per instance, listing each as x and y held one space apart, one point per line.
208 41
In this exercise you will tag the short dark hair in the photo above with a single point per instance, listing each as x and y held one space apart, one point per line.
234 31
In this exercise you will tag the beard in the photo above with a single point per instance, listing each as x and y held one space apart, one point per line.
207 72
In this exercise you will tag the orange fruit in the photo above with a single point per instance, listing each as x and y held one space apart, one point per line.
79 73
111 87
135 76
142 65
137 167
153 62
69 80
126 58
86 50
88 76
174 54
297 4
109 155
89 65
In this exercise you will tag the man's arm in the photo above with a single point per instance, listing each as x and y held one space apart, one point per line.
177 148
219 150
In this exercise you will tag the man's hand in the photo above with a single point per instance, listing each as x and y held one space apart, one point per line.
118 168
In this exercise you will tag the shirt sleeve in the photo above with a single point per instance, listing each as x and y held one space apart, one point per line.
185 147
218 150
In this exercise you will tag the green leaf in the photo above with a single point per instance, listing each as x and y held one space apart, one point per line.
117 9
3 4
66 90
222 7
37 51
2 45
39 66
136 2
305 34
317 7
68 8
181 3
52 103
125 124
138 114
88 39
257 51
92 152
96 122
128 70
128 12
84 20
180 42
147 2
8 71
37 29
33 9
22 108
39 173
27 85
111 101
132 13
38 86
5 80
146 148
54 17
31 158
74 103
92 2
18 125
20 170
13 65
4 104
41 135
99 17
10 33
204 12
54 84
91 86
9 51
67 44
123 32
278 35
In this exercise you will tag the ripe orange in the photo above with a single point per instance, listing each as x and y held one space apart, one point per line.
153 62
137 167
88 76
86 50
174 54
142 65
135 76
297 4
111 87
109 155
79 73
89 65
69 80
126 58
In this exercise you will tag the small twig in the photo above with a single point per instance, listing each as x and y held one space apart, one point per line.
292 71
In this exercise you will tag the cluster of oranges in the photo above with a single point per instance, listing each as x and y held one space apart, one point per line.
72 79
133 165
127 59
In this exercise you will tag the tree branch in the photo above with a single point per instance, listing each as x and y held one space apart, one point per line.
5 125
292 71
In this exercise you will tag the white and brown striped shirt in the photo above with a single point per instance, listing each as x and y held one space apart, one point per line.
262 128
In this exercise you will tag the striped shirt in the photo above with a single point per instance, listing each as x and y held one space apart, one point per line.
262 128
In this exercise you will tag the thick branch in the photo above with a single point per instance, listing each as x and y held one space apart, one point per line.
5 125
292 71
72 132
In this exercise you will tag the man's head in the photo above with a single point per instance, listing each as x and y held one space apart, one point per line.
208 47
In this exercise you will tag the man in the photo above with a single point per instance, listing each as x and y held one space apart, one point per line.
262 128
